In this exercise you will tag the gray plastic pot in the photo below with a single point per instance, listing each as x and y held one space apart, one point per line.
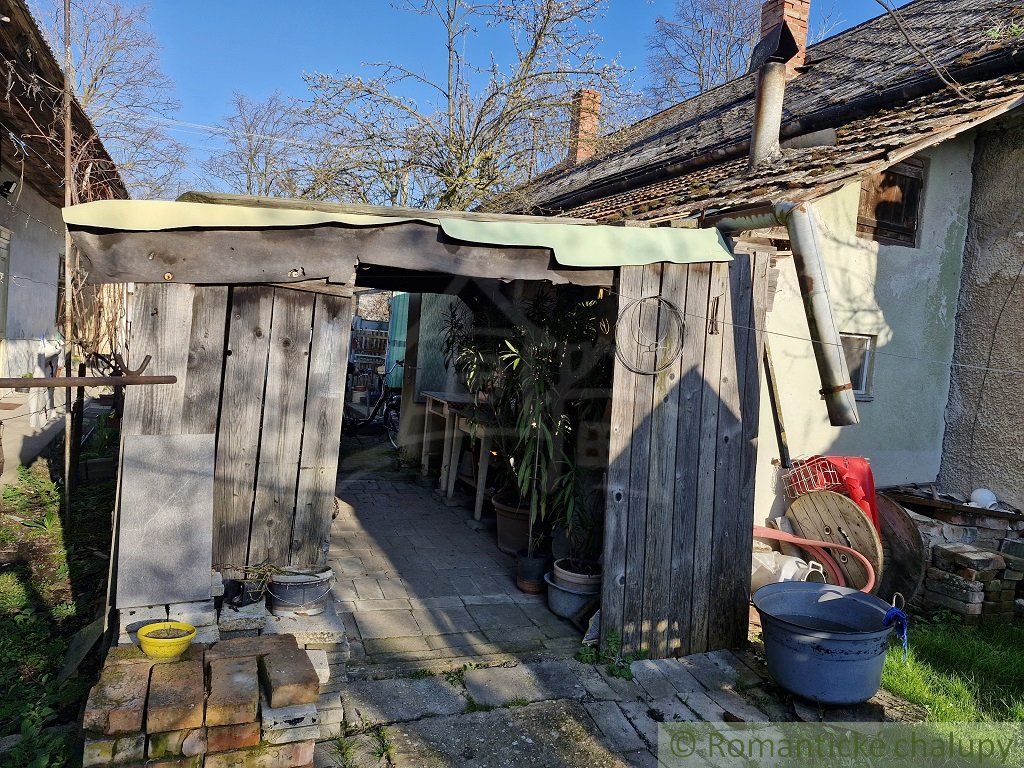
301 591
566 602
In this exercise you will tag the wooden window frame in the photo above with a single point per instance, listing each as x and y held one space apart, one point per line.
891 232
863 391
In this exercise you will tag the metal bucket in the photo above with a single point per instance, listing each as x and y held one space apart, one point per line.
823 643
566 602
301 591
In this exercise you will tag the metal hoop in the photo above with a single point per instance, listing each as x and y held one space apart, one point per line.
642 338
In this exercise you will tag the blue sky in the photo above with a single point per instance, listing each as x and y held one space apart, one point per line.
215 47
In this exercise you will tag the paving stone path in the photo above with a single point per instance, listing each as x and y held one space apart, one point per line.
416 584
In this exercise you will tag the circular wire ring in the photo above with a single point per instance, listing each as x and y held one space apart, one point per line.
642 339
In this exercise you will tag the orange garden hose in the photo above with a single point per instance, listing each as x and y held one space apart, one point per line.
769 533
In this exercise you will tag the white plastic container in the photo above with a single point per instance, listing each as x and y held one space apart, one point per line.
772 567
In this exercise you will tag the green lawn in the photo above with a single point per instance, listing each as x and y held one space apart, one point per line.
52 582
960 673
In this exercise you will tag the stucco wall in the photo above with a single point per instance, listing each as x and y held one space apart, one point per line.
37 246
984 443
905 296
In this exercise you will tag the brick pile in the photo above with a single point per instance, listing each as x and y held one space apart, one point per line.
975 583
246 702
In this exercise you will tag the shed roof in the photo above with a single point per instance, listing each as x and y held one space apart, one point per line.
866 82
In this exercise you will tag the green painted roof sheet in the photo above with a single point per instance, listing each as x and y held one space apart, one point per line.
573 244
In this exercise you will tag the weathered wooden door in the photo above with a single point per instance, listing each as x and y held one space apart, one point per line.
680 494
264 369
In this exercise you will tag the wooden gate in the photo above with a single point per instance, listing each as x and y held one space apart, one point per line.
680 495
264 369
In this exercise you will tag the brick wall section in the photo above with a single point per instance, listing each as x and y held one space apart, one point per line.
797 14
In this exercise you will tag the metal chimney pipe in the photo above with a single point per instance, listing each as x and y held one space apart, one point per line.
768 99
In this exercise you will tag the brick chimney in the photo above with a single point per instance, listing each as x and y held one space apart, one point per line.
796 13
585 125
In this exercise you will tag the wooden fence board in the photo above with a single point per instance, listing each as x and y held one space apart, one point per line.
201 396
616 519
633 621
691 388
281 439
656 596
726 587
703 542
161 318
325 395
245 375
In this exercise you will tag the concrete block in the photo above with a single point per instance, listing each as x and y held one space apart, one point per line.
289 678
298 753
234 692
326 627
615 726
967 556
176 693
250 617
292 716
222 738
166 519
114 751
199 613
937 599
289 735
939 576
331 707
331 731
117 702
963 595
320 664
496 686
131 619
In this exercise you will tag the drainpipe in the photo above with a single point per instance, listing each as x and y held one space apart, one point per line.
805 234
771 90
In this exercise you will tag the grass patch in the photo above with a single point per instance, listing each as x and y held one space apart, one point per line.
960 673
517 703
420 674
51 584
617 663
345 750
472 706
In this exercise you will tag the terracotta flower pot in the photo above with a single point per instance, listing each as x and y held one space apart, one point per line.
513 524
582 577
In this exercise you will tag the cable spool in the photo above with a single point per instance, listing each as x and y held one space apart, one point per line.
649 335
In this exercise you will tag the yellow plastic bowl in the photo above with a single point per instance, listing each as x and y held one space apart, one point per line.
161 648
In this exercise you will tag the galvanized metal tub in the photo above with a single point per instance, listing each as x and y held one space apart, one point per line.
823 643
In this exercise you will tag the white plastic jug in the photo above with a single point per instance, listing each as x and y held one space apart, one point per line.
770 567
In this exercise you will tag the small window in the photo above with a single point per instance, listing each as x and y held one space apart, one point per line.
860 359
890 204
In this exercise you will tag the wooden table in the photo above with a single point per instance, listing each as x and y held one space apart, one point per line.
449 408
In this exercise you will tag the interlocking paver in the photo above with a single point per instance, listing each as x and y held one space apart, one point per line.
377 624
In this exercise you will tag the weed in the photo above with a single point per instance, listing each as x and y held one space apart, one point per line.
617 663
517 702
420 674
49 522
345 750
457 677
472 706
383 749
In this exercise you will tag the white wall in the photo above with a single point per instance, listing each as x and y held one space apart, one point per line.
37 246
905 296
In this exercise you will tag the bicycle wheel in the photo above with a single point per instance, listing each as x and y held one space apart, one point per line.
391 421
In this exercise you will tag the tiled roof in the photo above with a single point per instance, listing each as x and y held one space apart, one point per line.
868 83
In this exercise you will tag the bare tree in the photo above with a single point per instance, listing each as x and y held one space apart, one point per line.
484 127
121 85
706 43
265 153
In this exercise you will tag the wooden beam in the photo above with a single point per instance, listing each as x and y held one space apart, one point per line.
322 259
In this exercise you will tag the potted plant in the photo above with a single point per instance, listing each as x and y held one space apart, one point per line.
531 565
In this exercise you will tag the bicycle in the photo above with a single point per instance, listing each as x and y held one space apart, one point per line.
386 410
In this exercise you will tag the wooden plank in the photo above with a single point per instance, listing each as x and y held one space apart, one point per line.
205 360
728 590
321 435
616 518
281 438
661 484
750 410
245 376
633 625
691 389
703 541
161 319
